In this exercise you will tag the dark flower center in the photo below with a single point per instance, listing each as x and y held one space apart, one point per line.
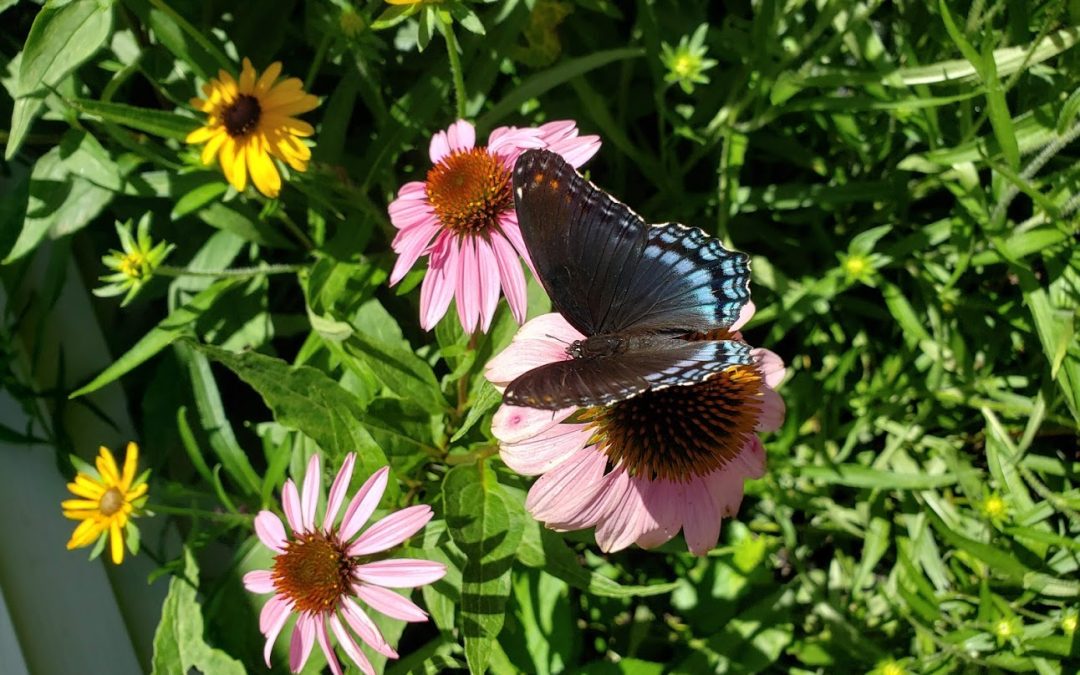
242 115
470 189
111 502
314 572
678 433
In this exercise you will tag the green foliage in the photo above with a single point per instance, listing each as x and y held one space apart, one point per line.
905 176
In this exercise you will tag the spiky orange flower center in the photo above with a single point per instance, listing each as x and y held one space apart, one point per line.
678 433
242 115
470 189
111 502
313 572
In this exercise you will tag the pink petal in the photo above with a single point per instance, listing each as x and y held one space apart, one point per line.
557 130
662 500
363 503
303 639
624 523
488 267
770 365
290 502
390 603
406 213
508 223
271 612
552 327
338 490
276 622
745 314
312 488
349 645
509 142
392 530
546 450
467 292
576 151
259 581
438 287
270 531
772 412
461 136
610 493
439 148
410 244
416 189
511 277
560 494
360 622
540 341
701 518
726 488
752 457
324 645
401 572
516 424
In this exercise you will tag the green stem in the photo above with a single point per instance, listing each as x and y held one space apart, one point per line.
455 67
316 63
170 271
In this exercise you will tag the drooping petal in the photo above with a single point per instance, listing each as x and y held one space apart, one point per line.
391 530
259 581
363 503
232 162
410 244
770 365
546 450
560 494
303 639
349 645
488 279
264 174
360 622
439 282
662 500
338 490
701 518
467 292
401 572
511 277
271 613
772 412
514 424
116 542
273 629
324 644
390 603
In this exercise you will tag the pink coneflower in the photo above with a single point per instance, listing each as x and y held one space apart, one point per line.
462 217
641 469
323 572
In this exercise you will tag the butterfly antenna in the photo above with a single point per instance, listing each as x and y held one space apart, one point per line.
557 339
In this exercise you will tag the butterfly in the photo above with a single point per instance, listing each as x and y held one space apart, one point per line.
634 290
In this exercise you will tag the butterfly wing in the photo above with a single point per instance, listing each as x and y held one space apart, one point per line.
605 379
608 271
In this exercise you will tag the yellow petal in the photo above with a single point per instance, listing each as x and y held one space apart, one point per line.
85 533
202 134
106 466
76 504
116 543
84 486
292 151
136 492
228 86
263 172
210 150
247 77
131 462
232 163
289 125
267 79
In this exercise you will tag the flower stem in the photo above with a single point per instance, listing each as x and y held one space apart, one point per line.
316 63
170 271
455 66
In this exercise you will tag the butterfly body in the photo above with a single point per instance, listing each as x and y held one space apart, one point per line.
633 290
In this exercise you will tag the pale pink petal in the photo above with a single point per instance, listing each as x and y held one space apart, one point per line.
324 645
540 341
610 492
508 223
259 581
401 572
509 142
515 424
410 244
391 530
338 490
546 450
390 603
310 496
560 494
416 189
271 613
576 150
625 521
467 293
770 365
406 213
552 327
303 639
290 502
276 621
726 488
511 277
557 130
438 287
752 456
662 499
745 314
363 503
701 518
461 136
439 148
488 278
270 531
360 622
772 412
349 645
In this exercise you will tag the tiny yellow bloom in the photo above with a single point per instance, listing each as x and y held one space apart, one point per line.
107 501
893 668
351 23
1069 623
250 121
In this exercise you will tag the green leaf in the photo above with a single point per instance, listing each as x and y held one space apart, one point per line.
485 523
63 37
305 399
998 111
13 207
400 370
157 122
855 475
488 398
997 560
179 646
198 198
181 321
